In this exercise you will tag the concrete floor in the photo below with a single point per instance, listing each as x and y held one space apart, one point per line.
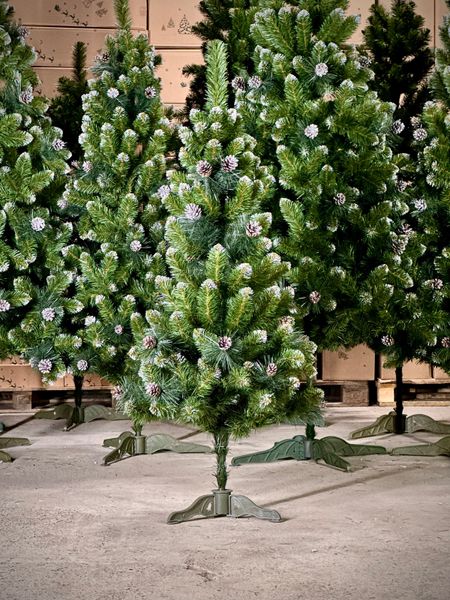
72 529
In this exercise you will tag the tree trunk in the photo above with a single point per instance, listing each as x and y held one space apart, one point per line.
221 439
399 421
78 381
310 431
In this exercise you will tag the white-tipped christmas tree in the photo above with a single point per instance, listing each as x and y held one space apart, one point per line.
220 351
435 203
32 177
118 192
415 324
330 137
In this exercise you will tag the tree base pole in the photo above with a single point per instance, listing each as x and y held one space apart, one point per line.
222 503
388 424
329 449
127 445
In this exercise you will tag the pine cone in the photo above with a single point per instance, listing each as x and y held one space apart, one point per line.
253 229
153 389
204 168
271 369
225 342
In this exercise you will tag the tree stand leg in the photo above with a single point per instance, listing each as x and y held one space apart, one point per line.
128 444
10 443
386 424
439 448
222 503
397 422
78 414
329 449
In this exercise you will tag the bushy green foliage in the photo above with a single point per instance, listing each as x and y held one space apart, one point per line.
117 192
344 191
33 158
398 44
434 160
220 350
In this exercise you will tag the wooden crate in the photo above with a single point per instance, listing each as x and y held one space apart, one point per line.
20 381
355 364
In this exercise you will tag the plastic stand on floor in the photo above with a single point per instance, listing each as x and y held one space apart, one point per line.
76 415
128 444
10 443
222 503
386 424
439 448
329 449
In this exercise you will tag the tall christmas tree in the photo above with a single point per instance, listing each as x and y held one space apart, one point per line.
435 216
345 192
33 158
228 21
416 324
220 350
117 193
66 108
398 44
342 184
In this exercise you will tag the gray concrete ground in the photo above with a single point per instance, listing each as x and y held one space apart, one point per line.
72 529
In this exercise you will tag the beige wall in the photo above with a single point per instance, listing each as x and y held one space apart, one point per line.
56 25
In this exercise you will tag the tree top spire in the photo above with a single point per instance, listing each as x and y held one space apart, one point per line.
123 17
217 75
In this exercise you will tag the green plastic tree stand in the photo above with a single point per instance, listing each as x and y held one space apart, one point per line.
76 415
128 444
222 503
439 448
329 449
386 424
10 443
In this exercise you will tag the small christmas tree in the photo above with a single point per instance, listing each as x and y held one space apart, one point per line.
229 21
116 194
32 174
398 44
220 350
66 109
33 158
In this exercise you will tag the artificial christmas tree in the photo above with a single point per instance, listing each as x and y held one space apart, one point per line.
398 45
220 350
66 108
115 193
343 194
433 217
416 325
228 21
32 178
